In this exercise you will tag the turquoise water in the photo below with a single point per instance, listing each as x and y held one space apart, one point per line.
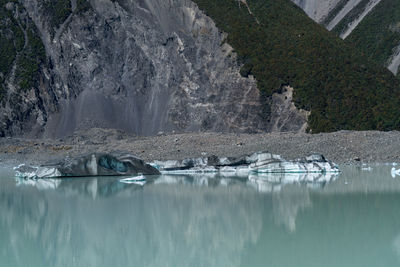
201 221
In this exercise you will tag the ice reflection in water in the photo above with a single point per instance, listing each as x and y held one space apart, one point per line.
202 221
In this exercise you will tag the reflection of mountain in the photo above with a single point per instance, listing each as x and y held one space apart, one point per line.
160 225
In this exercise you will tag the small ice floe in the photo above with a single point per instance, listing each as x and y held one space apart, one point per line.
139 180
19 166
395 172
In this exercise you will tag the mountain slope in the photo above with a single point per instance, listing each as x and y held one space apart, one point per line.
154 65
319 10
371 25
21 56
341 88
378 35
141 66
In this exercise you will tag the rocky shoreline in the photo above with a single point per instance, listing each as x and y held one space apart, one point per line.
344 147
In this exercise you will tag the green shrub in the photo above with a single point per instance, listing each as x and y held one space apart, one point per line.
29 61
28 55
82 6
57 11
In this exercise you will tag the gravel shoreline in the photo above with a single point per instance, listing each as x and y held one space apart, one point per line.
344 147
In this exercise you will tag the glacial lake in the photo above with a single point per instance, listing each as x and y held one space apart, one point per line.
354 220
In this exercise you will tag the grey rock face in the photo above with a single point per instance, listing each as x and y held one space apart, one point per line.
96 164
24 93
143 66
285 116
331 12
321 10
317 9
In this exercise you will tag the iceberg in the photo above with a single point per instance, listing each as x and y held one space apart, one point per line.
101 164
256 163
268 163
94 164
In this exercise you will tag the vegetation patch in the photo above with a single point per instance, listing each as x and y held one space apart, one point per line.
350 17
57 11
378 34
20 46
10 42
11 38
29 61
342 89
2 91
82 6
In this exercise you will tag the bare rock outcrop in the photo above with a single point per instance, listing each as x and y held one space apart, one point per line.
140 66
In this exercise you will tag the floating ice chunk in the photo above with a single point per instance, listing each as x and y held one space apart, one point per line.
191 165
394 172
193 170
261 157
29 172
224 161
19 166
134 179
24 171
43 172
95 164
259 162
313 163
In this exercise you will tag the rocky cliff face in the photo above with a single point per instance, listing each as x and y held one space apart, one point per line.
317 9
142 66
331 12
